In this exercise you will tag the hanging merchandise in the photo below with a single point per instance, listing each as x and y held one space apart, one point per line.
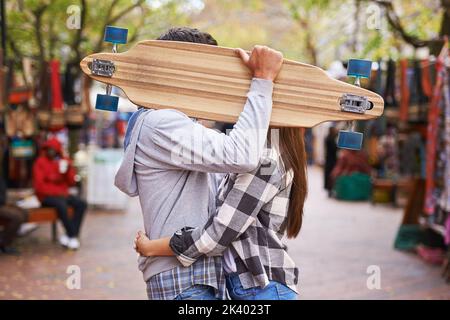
19 122
444 202
19 95
388 154
404 91
27 66
389 92
432 133
74 117
419 101
19 163
57 121
70 77
49 96
55 82
22 148
74 114
375 128
427 84
43 99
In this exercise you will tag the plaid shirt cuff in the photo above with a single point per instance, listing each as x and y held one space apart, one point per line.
180 242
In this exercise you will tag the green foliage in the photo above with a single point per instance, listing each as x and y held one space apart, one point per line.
419 18
314 31
60 41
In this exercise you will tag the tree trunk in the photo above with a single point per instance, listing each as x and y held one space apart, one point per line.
435 48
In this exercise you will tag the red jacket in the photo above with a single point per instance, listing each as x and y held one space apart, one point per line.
47 179
351 161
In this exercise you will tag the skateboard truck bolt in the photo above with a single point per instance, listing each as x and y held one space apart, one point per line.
349 139
106 68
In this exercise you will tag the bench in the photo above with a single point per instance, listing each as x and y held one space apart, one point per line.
46 214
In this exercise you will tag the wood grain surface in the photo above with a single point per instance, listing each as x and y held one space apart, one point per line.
211 82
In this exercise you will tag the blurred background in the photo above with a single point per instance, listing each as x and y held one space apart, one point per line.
377 221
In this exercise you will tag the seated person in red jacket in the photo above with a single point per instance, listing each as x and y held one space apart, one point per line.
350 161
53 174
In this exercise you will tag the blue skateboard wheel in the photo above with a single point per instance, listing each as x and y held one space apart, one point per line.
350 140
359 68
107 103
115 35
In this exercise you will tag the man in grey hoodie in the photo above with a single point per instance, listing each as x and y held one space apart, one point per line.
169 161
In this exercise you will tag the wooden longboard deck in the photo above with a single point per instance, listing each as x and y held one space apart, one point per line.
211 82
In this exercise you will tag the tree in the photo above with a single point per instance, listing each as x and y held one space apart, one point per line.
68 30
40 29
306 14
416 41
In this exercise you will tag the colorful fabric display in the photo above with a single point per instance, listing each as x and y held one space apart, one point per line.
427 84
445 155
55 81
432 134
389 92
404 90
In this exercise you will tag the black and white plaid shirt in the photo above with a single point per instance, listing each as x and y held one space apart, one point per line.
250 220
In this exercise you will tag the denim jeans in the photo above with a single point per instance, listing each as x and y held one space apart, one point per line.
273 291
198 292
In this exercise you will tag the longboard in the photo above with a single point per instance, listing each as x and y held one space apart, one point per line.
210 82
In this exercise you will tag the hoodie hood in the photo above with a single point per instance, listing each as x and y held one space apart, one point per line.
125 179
54 144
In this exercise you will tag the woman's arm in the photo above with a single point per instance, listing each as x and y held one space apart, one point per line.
229 222
147 248
250 192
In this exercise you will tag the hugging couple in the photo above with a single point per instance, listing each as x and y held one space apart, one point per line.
217 206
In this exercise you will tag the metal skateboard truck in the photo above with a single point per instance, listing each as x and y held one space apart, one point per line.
106 68
349 139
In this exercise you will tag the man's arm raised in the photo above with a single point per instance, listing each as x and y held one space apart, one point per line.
188 145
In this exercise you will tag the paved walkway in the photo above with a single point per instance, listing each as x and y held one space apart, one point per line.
338 242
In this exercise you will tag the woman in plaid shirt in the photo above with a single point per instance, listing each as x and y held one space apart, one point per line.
253 212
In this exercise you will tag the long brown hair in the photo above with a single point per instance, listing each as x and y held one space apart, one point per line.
293 154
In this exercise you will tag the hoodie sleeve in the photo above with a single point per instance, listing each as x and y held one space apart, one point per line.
183 143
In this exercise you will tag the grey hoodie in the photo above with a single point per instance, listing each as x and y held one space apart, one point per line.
169 158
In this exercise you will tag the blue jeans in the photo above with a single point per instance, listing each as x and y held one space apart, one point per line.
273 291
198 292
